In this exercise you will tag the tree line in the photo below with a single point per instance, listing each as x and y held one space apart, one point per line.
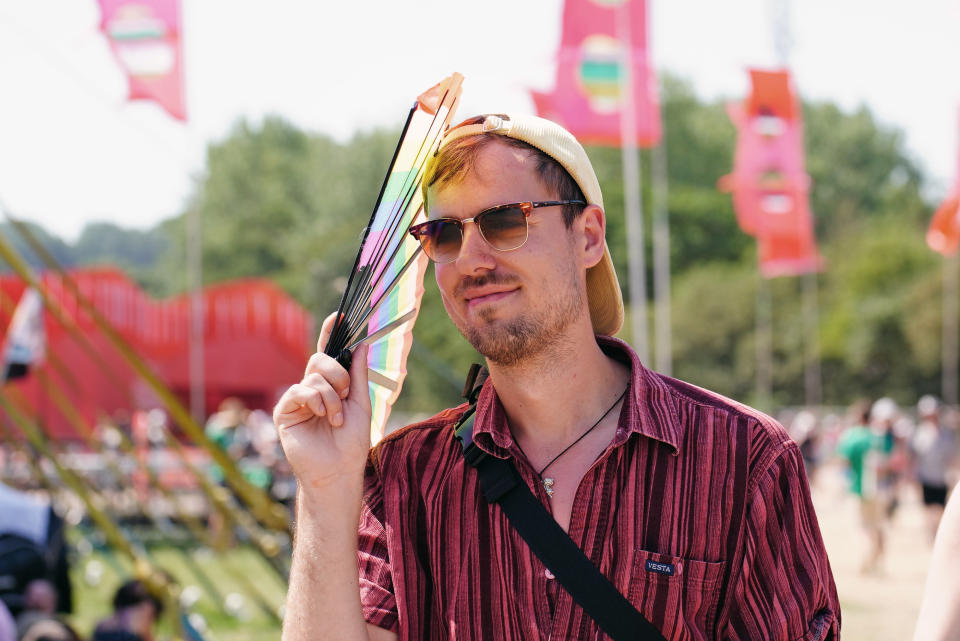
289 205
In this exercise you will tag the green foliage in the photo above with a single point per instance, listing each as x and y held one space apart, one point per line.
713 322
135 251
858 168
59 249
281 203
106 242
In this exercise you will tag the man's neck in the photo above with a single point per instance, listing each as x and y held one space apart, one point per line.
558 395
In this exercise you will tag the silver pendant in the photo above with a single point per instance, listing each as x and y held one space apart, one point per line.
548 486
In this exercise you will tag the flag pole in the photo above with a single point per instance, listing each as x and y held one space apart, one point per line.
764 343
195 269
949 348
633 203
661 260
811 311
194 241
764 310
812 384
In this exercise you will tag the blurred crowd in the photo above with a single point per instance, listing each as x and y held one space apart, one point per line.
887 453
35 507
36 616
250 438
36 594
129 445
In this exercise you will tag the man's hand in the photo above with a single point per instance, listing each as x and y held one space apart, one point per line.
324 422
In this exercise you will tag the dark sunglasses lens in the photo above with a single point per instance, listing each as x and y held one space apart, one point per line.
441 240
504 229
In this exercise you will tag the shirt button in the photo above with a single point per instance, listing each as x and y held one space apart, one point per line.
547 573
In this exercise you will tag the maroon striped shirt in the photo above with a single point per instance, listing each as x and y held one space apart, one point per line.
698 511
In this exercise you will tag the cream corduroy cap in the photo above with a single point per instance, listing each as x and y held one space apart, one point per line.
603 289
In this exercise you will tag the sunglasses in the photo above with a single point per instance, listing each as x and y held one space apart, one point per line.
503 227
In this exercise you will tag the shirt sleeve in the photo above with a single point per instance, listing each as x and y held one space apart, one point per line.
373 560
785 589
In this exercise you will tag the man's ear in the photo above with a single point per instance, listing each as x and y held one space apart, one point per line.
594 223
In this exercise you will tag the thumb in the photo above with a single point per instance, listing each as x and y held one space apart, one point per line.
359 388
325 330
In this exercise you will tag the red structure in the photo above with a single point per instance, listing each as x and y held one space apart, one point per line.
256 342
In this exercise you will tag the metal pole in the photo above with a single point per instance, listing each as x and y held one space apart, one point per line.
632 190
195 265
661 260
764 344
812 384
194 240
780 22
949 347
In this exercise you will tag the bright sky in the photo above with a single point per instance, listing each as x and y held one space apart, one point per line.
73 151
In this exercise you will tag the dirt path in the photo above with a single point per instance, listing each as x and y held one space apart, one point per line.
880 607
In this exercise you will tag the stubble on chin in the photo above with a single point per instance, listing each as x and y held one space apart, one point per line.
504 344
525 338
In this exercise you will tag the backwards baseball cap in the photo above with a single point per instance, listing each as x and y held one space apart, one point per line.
603 289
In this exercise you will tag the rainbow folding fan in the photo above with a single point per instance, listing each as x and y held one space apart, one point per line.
382 298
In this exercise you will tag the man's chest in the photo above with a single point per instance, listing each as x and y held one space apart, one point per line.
660 536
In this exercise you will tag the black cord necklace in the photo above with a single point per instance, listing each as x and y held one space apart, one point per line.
549 482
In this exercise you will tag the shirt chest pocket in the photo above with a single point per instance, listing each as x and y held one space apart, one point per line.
678 595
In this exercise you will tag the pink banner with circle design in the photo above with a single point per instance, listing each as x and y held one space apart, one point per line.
598 36
769 183
145 38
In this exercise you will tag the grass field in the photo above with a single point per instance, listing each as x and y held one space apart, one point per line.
97 575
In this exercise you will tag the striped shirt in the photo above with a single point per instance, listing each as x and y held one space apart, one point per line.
698 511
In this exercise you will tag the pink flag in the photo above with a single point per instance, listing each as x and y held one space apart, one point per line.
769 183
943 235
586 99
145 38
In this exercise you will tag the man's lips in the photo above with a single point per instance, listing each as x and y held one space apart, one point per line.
481 297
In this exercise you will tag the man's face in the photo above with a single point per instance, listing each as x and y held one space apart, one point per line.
510 305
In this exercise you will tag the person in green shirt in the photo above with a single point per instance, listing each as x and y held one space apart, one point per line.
866 447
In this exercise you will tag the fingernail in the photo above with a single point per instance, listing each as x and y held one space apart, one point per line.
337 419
344 392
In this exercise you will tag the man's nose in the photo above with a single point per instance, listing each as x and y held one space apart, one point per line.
475 252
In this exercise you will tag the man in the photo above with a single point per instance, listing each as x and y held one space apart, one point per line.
934 450
694 507
135 611
32 546
866 452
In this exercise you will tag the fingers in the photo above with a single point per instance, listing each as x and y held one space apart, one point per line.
328 397
298 403
325 330
304 401
309 398
325 386
359 390
331 371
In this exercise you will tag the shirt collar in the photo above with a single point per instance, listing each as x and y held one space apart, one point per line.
652 412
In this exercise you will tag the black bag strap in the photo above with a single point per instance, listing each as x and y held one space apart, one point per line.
501 484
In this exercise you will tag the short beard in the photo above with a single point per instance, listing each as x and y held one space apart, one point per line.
526 338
